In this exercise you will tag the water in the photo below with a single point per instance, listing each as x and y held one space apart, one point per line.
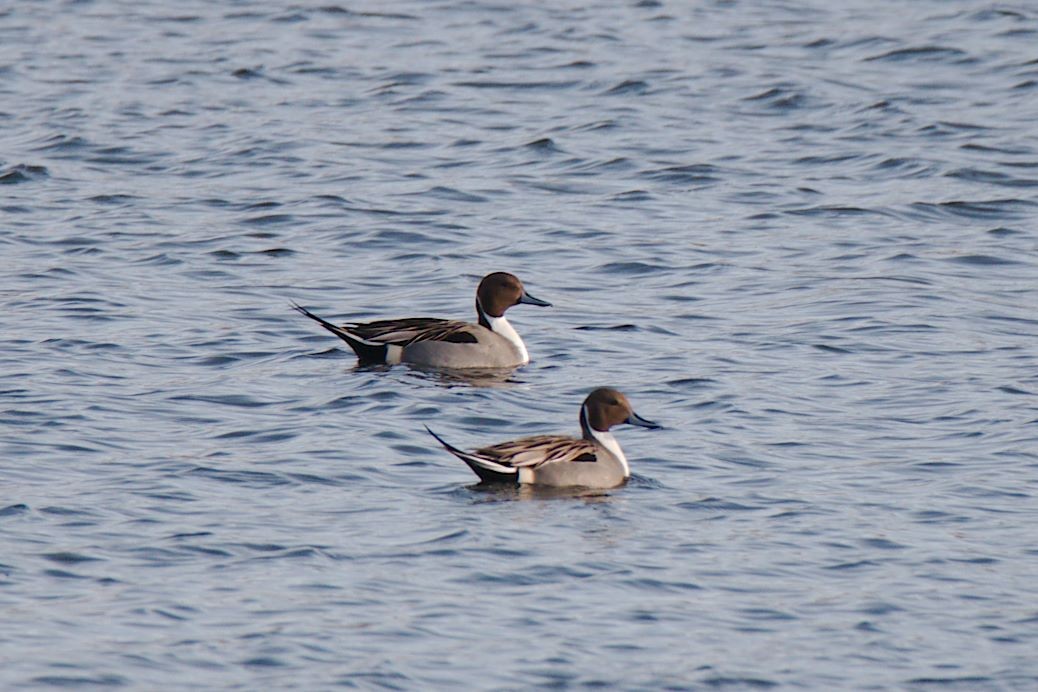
800 235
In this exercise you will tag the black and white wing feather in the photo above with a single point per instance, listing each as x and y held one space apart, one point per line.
502 462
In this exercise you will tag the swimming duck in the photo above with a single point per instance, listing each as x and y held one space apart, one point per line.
594 460
492 343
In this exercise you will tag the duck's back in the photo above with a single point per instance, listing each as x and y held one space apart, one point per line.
405 331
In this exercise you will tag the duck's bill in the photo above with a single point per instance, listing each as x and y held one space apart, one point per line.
527 299
635 419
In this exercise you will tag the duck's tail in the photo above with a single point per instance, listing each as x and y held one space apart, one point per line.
488 471
367 351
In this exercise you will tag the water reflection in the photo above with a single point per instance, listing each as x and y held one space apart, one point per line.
504 492
467 377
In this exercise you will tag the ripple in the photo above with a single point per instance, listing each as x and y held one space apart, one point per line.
544 144
22 173
63 142
692 174
454 195
981 260
81 680
629 86
991 178
921 53
517 85
779 99
1006 208
738 682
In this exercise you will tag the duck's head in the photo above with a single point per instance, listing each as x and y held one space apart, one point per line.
499 291
605 407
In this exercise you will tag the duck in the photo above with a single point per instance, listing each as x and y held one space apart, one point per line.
594 460
491 342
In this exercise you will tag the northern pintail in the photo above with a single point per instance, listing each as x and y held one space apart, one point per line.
493 343
594 461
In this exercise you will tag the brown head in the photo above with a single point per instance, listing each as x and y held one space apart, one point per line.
604 408
499 291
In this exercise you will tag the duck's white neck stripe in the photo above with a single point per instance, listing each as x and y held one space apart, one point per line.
607 440
499 325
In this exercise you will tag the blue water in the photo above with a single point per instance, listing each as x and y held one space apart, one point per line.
801 235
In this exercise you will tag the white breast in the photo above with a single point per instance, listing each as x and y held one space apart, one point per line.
499 325
607 440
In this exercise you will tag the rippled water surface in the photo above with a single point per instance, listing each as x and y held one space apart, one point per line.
801 235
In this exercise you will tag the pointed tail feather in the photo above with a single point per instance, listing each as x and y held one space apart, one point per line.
367 351
488 471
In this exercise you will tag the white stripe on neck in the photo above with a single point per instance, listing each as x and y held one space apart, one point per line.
499 325
607 440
